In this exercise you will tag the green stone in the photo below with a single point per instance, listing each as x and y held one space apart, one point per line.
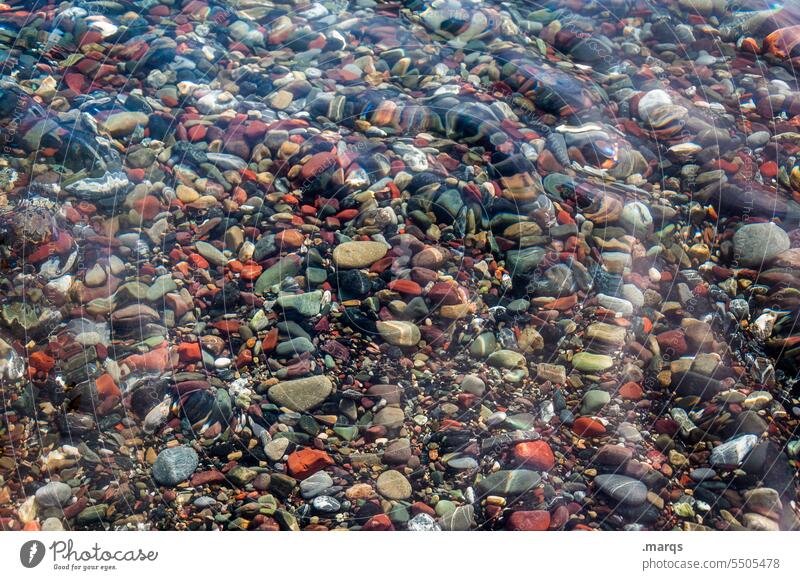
593 401
445 507
590 362
506 359
241 475
483 346
347 433
290 265
521 421
509 482
307 304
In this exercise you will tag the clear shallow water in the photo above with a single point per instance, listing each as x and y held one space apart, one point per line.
387 266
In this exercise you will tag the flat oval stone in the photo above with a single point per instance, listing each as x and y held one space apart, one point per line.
399 333
53 494
509 482
358 254
301 394
393 485
625 490
590 362
211 253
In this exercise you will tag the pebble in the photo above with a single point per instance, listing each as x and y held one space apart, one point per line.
392 484
174 465
53 494
623 489
759 244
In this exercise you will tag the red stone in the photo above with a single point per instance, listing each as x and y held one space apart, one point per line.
149 207
769 169
444 293
42 361
307 462
379 523
319 163
106 387
196 132
289 238
250 272
190 352
529 521
535 454
408 287
588 427
672 343
255 131
154 361
631 391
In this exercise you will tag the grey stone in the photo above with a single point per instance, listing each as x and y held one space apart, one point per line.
315 484
301 394
623 489
731 453
509 482
174 465
392 484
53 494
756 245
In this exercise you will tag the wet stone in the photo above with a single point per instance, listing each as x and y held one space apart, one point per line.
625 490
174 465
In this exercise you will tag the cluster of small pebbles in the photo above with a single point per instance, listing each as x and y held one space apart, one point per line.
401 265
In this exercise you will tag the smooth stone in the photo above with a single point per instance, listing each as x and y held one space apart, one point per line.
423 522
290 265
315 484
473 384
636 218
399 333
590 362
326 504
593 401
353 283
460 519
241 475
397 452
523 263
484 345
509 482
211 253
174 465
702 473
358 254
307 304
521 421
276 449
623 489
122 124
618 305
95 276
758 139
506 359
756 245
295 346
392 484
390 417
53 494
301 394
